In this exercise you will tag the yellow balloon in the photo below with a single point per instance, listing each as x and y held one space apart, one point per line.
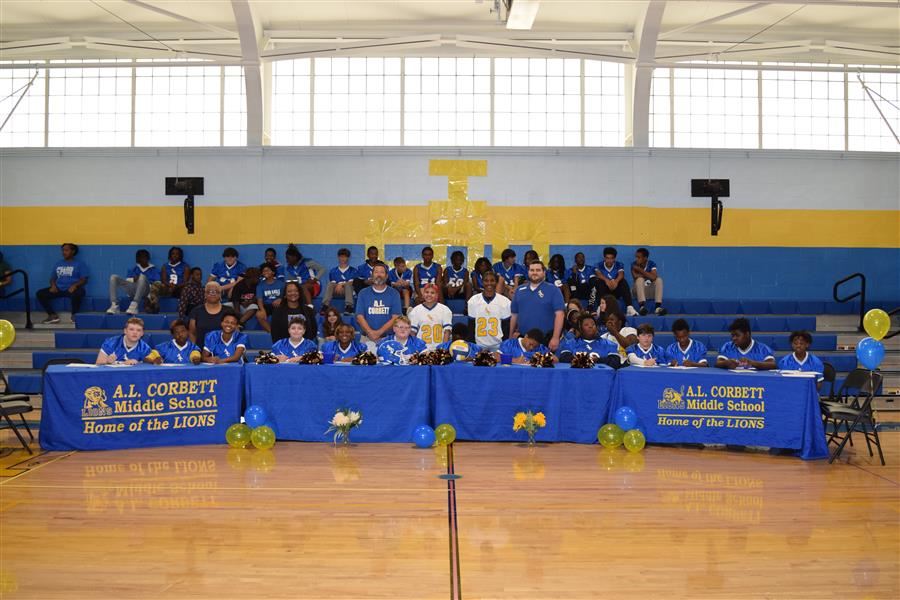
876 322
8 335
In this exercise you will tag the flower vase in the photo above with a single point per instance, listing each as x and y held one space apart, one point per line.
345 440
531 442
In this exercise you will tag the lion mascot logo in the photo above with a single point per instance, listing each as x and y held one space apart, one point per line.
95 403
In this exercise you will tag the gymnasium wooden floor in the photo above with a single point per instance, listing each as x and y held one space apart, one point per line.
376 521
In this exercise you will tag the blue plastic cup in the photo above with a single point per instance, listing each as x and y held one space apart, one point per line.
328 358
505 359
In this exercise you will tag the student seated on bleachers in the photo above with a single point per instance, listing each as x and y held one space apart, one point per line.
431 321
128 348
481 266
610 279
67 281
646 281
174 276
226 345
136 283
580 276
645 353
425 273
743 351
345 347
192 294
521 349
363 277
293 347
510 272
684 351
556 274
180 350
269 292
456 278
244 296
619 334
330 323
340 282
590 342
397 348
400 278
571 328
296 269
227 273
801 359
459 345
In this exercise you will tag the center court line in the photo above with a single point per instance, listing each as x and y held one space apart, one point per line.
452 525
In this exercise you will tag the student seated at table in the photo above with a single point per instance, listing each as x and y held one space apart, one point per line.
180 350
397 348
589 341
227 345
344 347
645 353
459 345
802 360
291 348
619 334
684 351
523 348
743 351
128 348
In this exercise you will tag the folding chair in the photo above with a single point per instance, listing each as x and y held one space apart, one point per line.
855 414
828 378
15 404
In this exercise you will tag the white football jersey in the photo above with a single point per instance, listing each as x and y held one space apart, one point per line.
429 324
488 316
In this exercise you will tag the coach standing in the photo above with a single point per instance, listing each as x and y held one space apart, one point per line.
538 305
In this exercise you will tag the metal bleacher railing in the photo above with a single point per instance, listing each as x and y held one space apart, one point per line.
861 294
27 291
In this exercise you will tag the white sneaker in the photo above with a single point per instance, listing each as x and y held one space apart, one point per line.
132 308
113 309
631 312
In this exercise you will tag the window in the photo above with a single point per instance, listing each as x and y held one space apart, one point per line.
234 107
90 107
716 108
604 103
291 102
866 128
26 125
177 106
661 109
803 110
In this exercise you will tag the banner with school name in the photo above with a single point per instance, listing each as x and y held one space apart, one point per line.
105 408
712 406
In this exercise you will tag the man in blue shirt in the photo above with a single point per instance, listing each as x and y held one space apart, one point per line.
647 281
136 283
377 306
610 275
227 273
340 282
67 281
127 348
538 305
743 351
180 350
684 351
802 360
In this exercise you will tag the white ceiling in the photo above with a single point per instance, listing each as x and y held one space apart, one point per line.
821 31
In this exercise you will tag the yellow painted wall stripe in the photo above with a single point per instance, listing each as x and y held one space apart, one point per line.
321 224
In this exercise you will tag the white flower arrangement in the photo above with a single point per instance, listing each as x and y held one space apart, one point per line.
342 422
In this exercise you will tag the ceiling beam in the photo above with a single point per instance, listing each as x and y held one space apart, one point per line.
31 46
543 49
880 52
646 36
861 4
178 17
98 43
392 44
742 50
251 37
712 20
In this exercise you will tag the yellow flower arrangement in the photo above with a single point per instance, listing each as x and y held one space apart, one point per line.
530 422
540 420
519 421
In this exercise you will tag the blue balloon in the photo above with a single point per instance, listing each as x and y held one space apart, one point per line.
423 436
626 418
255 416
870 353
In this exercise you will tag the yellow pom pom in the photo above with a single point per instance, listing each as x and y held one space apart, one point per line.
195 354
153 354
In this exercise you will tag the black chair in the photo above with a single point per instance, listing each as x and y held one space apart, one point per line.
828 378
854 412
12 404
58 361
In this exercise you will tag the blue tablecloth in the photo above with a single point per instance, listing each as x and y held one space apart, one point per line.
105 408
711 406
300 400
481 402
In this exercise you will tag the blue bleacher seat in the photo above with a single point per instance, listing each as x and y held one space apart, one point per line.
810 307
710 323
768 324
754 307
460 319
456 305
725 307
696 307
39 359
797 323
782 307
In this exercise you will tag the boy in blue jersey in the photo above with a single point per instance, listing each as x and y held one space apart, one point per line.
645 353
136 283
610 279
684 351
400 278
344 346
425 273
647 281
295 269
397 348
192 293
128 348
227 273
523 348
227 345
377 306
364 271
456 278
340 282
589 341
459 345
556 274
67 281
510 272
580 276
180 350
293 347
801 359
173 277
269 290
743 351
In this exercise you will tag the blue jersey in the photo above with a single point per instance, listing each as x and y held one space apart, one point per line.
611 272
269 292
341 353
695 352
151 273
225 274
581 275
456 278
215 345
556 278
392 352
596 347
810 364
68 272
338 276
378 307
115 346
427 274
172 353
460 352
536 308
299 272
655 352
394 276
477 281
286 347
177 274
509 274
364 271
757 351
649 267
515 349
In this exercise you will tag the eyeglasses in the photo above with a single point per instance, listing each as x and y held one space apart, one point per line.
213 292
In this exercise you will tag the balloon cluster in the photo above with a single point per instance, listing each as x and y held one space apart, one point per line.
485 358
870 350
266 358
7 334
624 431
311 358
541 360
255 430
365 358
